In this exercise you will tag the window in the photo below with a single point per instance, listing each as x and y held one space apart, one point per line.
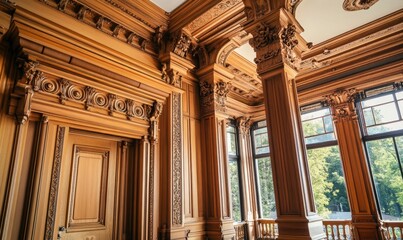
263 171
234 173
324 162
381 117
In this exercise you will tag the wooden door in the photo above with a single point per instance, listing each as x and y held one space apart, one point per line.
85 205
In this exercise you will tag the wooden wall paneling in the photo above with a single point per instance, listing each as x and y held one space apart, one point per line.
7 125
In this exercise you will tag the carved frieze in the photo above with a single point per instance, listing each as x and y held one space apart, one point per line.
212 14
342 104
95 19
90 97
354 5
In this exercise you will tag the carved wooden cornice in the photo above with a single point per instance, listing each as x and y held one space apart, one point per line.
342 104
354 5
102 23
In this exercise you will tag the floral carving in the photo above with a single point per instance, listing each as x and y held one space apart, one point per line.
354 5
342 103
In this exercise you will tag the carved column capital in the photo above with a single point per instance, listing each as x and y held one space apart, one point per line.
214 95
276 41
342 104
244 124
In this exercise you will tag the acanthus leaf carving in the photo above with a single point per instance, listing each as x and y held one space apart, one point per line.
181 44
244 124
264 35
177 216
342 104
289 42
64 85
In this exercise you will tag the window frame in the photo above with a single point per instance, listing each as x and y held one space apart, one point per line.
255 158
237 159
375 92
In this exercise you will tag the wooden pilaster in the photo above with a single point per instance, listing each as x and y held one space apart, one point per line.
359 186
213 89
278 45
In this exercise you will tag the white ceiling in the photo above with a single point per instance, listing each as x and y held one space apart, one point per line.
168 5
325 19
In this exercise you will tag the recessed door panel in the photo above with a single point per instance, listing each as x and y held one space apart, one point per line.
86 200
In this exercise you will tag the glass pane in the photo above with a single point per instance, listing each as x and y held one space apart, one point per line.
231 143
401 108
385 128
376 101
328 183
235 191
399 145
313 127
387 177
266 189
315 114
320 138
261 141
369 118
385 113
328 123
399 95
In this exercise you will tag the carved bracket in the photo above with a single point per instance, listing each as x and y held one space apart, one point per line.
214 97
244 124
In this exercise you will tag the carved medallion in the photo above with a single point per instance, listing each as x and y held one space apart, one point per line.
354 5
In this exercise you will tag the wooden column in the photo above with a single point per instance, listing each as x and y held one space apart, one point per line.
214 87
355 166
248 176
278 45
